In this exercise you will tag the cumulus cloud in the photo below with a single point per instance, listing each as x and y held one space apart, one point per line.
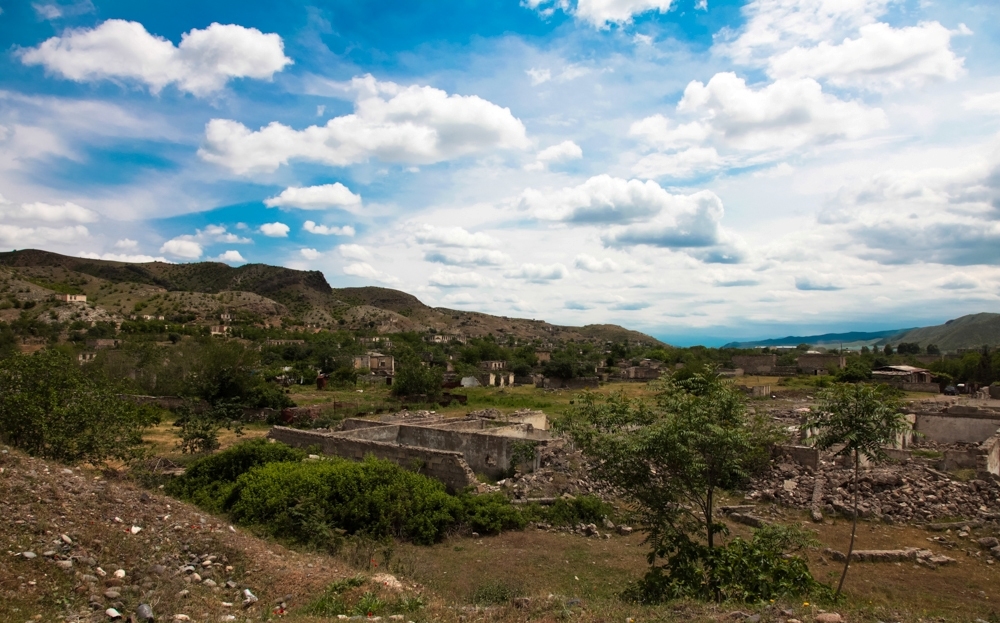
829 282
121 50
15 237
57 10
600 199
881 57
566 150
310 254
182 247
124 257
453 237
354 252
539 273
773 26
468 257
127 244
600 13
275 230
944 216
747 124
591 264
334 195
46 212
958 281
325 230
685 222
447 279
393 123
231 257
539 76
367 271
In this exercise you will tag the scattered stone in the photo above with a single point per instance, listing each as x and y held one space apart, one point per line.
29 555
753 618
988 542
112 613
828 617
184 593
112 594
209 583
144 612
624 530
748 520
388 581
120 574
181 617
65 539
64 564
135 530
249 598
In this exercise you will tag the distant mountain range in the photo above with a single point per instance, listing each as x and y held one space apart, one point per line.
972 331
202 292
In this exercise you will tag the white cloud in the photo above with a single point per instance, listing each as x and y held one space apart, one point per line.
310 254
813 280
367 271
324 230
881 57
231 257
539 76
773 26
600 13
275 230
407 125
591 264
54 10
334 195
779 170
14 237
127 244
735 123
354 252
987 102
468 257
445 279
601 199
566 150
203 62
453 237
691 223
958 281
183 247
124 257
539 273
46 212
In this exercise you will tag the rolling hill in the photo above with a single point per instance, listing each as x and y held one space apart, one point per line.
972 331
201 292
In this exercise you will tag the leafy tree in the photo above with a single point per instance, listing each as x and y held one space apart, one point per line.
672 458
865 350
861 419
50 408
413 378
932 349
887 350
855 371
908 348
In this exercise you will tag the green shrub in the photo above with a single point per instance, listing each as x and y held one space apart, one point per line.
375 498
50 408
753 570
491 513
208 481
584 509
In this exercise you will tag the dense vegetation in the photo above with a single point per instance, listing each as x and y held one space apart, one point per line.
270 487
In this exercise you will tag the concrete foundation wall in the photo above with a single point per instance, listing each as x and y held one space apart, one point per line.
448 467
803 455
953 428
756 364
485 454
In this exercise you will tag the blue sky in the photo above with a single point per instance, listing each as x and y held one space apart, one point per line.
698 170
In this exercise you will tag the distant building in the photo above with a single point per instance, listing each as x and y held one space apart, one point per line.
903 374
70 298
379 364
493 365
218 330
756 364
543 355
103 343
819 363
283 342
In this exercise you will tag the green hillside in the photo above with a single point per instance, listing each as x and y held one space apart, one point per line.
972 331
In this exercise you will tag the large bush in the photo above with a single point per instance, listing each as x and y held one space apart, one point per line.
208 481
50 408
374 498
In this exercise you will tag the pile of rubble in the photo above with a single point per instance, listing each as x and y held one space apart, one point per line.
562 470
908 492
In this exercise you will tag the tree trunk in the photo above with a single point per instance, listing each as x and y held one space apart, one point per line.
854 527
711 544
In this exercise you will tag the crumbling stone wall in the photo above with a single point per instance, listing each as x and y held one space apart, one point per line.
448 467
756 364
958 425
